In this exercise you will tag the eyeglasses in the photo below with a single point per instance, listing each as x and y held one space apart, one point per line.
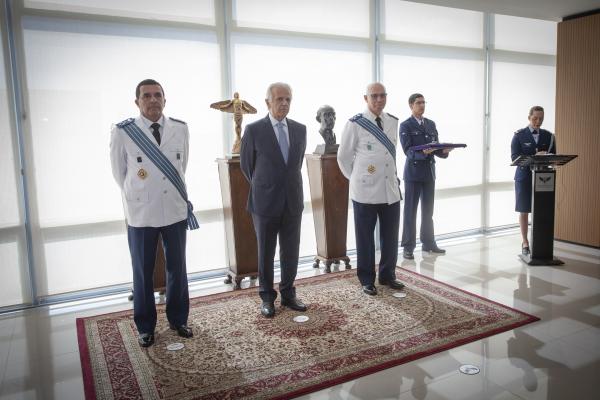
375 96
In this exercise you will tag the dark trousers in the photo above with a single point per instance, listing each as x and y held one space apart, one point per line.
425 191
287 227
142 246
365 217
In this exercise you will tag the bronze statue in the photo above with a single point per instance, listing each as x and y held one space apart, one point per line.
326 116
238 108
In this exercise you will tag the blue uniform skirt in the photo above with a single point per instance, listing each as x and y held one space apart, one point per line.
523 196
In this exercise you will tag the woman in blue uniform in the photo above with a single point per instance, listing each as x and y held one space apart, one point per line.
530 140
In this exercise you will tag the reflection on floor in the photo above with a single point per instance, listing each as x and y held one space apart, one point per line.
555 358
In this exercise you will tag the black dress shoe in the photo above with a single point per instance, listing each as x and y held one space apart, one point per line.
371 290
525 250
394 284
434 249
267 308
182 330
294 304
408 255
146 339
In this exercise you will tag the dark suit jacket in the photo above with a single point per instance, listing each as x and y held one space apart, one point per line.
419 167
275 188
523 143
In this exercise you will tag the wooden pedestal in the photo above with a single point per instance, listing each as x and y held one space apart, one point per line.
159 277
329 195
242 253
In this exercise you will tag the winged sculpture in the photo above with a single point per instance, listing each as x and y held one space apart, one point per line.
238 107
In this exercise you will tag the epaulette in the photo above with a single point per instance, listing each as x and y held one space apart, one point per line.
178 120
357 116
393 116
125 122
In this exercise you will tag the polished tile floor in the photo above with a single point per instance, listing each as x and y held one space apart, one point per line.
555 358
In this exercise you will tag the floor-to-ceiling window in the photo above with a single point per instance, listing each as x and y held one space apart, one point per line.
438 52
14 285
522 75
77 64
325 59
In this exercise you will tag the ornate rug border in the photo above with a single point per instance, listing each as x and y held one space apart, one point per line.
86 362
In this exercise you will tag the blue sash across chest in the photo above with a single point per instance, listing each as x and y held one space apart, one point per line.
162 163
375 131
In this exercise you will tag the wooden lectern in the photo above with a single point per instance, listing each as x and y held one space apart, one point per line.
543 169
329 195
242 252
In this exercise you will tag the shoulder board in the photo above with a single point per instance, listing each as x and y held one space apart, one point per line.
125 122
393 116
178 120
518 131
357 116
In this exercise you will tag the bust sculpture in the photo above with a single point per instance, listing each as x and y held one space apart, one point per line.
326 117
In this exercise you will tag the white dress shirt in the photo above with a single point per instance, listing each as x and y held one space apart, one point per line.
274 122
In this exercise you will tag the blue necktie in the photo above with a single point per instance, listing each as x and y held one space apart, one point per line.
283 141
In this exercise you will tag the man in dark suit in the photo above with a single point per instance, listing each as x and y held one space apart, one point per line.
529 141
419 177
271 160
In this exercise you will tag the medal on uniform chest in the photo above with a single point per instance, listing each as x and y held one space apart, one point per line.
142 173
371 169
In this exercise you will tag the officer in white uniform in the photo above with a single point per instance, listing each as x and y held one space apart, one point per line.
154 206
370 166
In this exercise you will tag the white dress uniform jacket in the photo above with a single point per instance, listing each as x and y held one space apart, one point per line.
150 201
367 163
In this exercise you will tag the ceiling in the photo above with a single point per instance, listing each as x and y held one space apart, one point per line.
554 10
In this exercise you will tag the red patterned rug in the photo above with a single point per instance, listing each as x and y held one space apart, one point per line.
237 354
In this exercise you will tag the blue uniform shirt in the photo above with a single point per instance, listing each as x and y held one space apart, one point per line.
419 167
523 143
